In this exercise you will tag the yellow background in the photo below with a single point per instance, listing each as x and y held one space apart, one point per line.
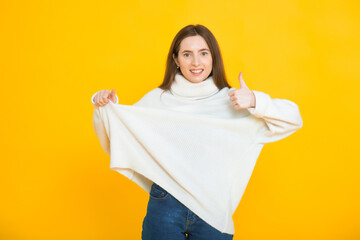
55 179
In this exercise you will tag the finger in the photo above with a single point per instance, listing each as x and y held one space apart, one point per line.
100 97
241 81
112 95
237 106
233 92
96 99
103 97
234 98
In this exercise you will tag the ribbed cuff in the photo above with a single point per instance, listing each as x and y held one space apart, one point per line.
261 102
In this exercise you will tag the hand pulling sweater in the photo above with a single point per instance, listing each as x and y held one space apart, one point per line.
193 143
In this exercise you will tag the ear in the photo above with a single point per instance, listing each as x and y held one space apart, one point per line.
175 59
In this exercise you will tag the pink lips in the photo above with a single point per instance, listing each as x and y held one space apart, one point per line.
198 72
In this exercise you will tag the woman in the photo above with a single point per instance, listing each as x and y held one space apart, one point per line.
195 83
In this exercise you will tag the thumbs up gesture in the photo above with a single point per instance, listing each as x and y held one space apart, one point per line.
243 97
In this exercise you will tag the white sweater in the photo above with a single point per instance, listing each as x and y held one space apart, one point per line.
193 143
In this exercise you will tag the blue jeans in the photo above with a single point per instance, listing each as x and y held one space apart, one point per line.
169 219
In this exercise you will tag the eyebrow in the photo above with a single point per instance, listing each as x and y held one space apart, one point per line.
199 50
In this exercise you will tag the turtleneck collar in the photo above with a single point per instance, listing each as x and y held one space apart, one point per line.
184 88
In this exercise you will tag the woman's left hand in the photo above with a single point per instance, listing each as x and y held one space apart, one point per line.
243 97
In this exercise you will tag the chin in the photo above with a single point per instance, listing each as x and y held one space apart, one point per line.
196 80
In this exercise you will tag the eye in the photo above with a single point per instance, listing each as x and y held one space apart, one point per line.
186 54
205 53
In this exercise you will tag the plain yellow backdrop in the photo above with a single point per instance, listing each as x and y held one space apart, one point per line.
55 179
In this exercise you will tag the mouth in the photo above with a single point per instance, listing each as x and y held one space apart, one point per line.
196 71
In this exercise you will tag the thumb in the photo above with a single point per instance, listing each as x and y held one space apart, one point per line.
242 82
112 95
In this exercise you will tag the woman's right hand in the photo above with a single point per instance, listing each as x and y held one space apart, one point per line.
103 97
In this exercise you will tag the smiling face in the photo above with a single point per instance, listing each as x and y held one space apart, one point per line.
194 59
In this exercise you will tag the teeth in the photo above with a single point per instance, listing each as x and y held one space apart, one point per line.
197 71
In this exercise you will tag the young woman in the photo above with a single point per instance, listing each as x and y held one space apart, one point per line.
206 177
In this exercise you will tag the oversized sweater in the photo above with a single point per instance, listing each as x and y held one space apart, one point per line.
193 143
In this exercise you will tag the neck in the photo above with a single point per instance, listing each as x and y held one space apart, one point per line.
182 87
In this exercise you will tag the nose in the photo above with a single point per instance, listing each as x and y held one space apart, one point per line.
195 60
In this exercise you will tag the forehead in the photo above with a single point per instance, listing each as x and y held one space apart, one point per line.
193 43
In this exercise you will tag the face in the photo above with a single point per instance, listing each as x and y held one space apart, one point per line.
194 55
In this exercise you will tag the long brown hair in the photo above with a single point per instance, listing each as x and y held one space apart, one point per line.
218 71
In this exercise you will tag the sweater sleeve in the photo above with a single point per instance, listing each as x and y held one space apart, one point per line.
93 101
100 130
279 118
99 126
